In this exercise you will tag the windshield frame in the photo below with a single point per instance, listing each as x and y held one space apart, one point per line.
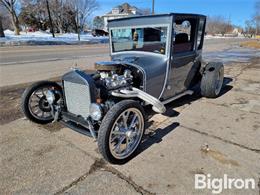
142 26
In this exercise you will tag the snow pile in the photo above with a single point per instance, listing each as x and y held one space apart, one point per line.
221 37
8 32
41 37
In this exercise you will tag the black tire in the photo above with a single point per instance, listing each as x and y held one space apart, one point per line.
106 127
212 80
26 97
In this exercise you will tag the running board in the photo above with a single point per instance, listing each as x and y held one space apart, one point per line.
78 124
77 128
188 92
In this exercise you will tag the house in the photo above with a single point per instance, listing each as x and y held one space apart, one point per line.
124 10
237 31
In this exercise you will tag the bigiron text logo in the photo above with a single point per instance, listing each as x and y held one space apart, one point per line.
217 185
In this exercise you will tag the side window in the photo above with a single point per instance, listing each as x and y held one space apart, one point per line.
200 33
184 35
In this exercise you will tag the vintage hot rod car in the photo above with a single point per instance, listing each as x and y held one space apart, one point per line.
154 60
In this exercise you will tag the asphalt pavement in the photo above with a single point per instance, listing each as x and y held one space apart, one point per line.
195 136
24 64
31 54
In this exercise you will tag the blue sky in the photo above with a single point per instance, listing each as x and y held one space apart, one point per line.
237 10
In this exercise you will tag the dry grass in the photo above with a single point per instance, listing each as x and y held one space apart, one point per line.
252 44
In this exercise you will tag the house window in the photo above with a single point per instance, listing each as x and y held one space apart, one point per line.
115 11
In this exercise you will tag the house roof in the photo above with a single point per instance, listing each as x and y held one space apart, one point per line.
125 8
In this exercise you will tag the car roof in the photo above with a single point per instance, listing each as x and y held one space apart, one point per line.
159 15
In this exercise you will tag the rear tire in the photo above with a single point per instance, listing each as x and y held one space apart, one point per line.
29 110
212 80
118 142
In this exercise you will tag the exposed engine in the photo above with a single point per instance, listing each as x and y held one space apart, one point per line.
112 80
112 75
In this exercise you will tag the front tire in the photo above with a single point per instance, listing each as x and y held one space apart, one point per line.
212 80
121 131
34 103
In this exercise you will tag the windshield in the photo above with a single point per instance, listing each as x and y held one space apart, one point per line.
148 39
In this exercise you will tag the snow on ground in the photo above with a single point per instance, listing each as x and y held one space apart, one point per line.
222 37
41 36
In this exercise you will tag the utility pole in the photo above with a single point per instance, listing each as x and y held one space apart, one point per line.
49 13
2 34
153 7
78 25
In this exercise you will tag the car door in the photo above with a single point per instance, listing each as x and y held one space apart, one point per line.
183 64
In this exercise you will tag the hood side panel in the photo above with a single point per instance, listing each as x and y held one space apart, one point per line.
153 66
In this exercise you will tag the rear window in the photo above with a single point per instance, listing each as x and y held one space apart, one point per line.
184 35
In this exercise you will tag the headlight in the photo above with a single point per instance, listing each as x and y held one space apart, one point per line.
95 112
50 96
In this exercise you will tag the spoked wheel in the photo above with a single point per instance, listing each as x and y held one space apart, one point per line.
39 106
121 131
126 133
34 103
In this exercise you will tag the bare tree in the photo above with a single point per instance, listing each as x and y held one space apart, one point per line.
218 25
2 34
83 9
98 22
10 5
249 29
34 14
58 13
257 17
6 18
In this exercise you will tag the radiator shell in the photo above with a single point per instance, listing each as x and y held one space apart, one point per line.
79 92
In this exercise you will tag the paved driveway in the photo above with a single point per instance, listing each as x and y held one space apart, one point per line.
196 136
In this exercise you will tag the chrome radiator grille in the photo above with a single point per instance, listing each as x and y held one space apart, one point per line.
77 98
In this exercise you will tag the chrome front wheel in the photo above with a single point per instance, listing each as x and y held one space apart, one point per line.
126 133
121 131
39 106
34 103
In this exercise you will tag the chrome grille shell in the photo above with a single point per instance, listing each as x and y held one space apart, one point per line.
79 92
